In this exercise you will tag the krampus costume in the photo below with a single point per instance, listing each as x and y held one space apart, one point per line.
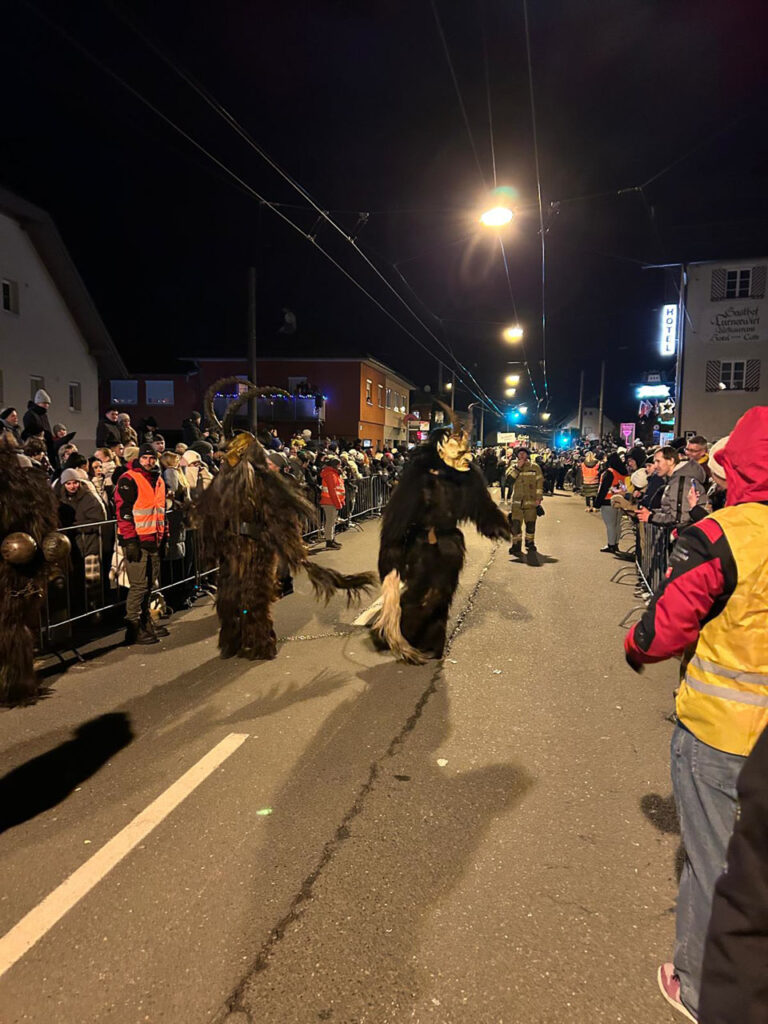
252 519
421 545
28 543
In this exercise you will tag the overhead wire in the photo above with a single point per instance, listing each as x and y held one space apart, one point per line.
218 108
240 181
526 363
541 207
488 90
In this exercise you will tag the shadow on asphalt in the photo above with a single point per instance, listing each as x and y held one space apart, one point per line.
46 780
402 847
662 814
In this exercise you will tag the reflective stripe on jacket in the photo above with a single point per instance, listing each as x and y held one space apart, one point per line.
148 512
723 698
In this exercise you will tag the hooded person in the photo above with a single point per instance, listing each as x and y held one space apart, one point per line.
197 474
36 422
422 549
712 613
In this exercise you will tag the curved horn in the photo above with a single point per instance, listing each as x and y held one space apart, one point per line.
239 402
210 394
456 418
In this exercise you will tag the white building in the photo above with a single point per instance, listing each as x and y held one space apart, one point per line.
723 357
51 335
590 424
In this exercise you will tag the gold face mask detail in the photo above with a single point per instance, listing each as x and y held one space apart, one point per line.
454 451
237 447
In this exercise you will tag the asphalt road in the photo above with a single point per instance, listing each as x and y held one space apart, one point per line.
486 840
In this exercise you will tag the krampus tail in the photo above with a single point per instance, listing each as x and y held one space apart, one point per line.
327 582
387 622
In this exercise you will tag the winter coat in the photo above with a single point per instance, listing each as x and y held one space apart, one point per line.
12 430
333 492
674 509
108 433
77 509
128 435
191 432
197 474
36 422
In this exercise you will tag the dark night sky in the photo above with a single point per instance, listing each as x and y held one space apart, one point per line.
355 101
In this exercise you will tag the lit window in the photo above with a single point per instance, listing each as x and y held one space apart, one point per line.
733 375
737 284
75 396
389 398
124 392
9 291
369 392
159 392
380 388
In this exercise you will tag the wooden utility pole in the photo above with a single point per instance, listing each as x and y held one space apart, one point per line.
602 395
581 405
453 391
252 405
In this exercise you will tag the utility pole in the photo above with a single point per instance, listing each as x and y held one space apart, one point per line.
482 425
453 391
252 405
602 395
581 405
439 379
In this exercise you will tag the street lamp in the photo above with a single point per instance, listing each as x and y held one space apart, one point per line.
512 380
513 333
496 217
510 392
523 410
545 416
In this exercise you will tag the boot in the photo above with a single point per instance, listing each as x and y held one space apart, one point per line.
156 628
135 633
516 549
333 544
610 549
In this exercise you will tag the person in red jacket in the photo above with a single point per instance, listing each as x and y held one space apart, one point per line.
332 498
712 613
142 528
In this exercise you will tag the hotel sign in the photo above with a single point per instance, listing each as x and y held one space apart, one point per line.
668 337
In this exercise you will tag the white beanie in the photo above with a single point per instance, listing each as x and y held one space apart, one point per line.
42 396
639 479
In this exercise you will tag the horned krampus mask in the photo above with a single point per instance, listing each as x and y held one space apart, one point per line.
454 447
237 444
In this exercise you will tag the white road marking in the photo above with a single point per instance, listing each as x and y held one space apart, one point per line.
34 925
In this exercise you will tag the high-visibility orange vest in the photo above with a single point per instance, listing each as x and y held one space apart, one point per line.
723 699
149 507
589 474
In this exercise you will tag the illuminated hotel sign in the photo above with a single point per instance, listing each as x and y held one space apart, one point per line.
668 337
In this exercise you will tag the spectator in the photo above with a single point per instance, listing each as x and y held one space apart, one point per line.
79 506
612 482
117 451
36 422
9 426
147 430
142 528
196 473
192 431
332 497
127 434
64 452
590 475
180 448
130 453
713 603
99 481
177 504
35 449
674 508
696 450
158 443
108 429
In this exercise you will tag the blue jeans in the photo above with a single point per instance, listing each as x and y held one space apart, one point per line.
704 782
612 519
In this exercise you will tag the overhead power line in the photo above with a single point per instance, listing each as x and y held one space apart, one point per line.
243 184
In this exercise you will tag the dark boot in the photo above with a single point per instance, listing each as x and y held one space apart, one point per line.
333 544
135 633
155 628
516 549
531 554
610 549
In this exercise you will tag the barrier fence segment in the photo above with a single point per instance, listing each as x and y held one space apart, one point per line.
87 599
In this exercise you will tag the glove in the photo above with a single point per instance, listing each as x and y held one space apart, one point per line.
132 551
634 665
540 510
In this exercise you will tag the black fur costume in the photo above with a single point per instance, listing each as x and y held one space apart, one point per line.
28 510
422 547
252 520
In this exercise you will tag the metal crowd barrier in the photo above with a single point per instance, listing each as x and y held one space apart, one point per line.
653 545
91 594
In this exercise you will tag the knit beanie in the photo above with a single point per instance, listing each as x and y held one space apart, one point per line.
41 397
147 449
70 474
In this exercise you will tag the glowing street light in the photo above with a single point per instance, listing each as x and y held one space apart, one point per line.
545 416
523 409
512 380
513 333
449 386
496 217
510 392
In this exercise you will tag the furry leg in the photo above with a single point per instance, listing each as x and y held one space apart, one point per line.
387 622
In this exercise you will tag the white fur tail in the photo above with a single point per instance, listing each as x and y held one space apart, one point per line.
387 622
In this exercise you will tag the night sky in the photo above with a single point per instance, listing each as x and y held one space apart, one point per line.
356 102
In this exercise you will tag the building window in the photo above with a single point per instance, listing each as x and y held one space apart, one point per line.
380 388
733 375
159 392
738 283
75 396
369 392
124 392
10 295
2 389
389 398
36 384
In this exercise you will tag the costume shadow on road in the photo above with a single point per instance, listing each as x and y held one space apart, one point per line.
662 814
46 780
402 846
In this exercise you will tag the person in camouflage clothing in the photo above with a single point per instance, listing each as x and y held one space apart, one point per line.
525 483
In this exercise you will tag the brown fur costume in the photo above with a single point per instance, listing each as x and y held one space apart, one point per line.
251 517
27 506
